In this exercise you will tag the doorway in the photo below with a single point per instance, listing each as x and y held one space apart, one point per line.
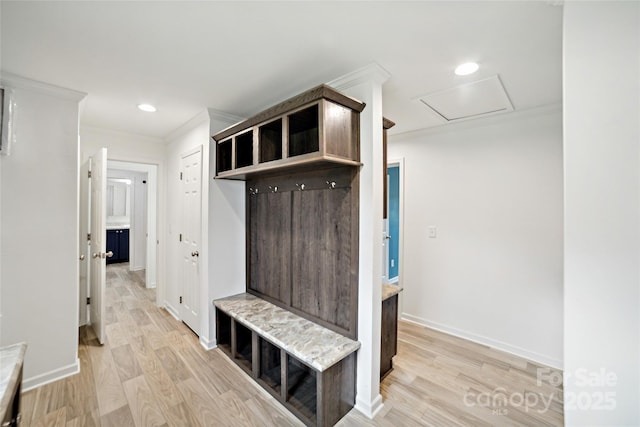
394 223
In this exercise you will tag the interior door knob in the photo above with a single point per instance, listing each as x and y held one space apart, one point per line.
107 255
195 253
82 257
94 255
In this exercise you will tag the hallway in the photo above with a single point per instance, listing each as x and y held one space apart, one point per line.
152 371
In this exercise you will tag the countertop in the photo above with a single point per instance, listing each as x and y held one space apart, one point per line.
390 290
11 360
315 345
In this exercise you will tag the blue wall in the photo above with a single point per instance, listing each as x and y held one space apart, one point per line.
394 219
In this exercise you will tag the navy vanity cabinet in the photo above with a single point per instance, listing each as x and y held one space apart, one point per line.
118 243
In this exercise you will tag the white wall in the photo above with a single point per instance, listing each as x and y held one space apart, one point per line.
227 231
39 239
602 205
192 135
493 189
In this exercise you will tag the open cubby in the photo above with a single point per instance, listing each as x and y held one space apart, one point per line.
243 352
302 388
244 150
223 331
223 157
270 137
303 131
270 365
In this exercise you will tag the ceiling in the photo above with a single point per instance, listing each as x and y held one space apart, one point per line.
242 57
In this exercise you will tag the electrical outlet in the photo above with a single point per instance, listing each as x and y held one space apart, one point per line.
433 232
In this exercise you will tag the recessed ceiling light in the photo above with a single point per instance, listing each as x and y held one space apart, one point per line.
466 68
147 107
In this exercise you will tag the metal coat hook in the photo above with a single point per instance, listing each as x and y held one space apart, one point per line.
331 184
274 189
300 186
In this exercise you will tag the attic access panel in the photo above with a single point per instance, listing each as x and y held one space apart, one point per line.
469 100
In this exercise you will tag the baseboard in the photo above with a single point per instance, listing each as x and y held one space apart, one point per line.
172 311
208 344
51 376
369 409
498 345
136 268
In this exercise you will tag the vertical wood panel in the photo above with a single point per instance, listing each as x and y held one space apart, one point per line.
321 254
269 247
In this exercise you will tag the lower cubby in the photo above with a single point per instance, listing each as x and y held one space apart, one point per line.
270 366
223 331
243 351
302 389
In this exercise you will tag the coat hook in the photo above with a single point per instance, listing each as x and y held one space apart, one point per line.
274 189
300 186
332 184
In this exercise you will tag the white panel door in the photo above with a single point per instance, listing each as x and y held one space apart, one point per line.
191 167
98 167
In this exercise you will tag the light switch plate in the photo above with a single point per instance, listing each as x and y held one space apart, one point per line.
433 232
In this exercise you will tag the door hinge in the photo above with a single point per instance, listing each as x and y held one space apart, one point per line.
180 300
88 300
180 176
89 174
89 237
181 237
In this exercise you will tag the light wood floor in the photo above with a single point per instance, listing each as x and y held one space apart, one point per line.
153 372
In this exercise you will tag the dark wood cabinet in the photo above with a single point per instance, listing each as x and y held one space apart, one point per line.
118 243
320 126
389 334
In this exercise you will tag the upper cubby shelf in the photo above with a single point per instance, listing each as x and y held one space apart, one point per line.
320 126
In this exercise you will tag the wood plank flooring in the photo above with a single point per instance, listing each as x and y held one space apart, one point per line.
153 372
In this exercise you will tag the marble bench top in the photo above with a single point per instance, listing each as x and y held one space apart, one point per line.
11 360
389 290
315 345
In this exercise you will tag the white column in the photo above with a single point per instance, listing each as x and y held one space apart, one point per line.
602 211
227 231
366 85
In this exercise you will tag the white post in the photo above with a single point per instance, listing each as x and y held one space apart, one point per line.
365 85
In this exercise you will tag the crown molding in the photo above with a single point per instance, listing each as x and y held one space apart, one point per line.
543 110
372 72
198 119
11 80
223 116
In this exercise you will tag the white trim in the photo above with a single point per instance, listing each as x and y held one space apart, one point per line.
478 122
372 72
480 339
192 123
51 376
208 344
399 161
172 311
16 81
369 410
224 116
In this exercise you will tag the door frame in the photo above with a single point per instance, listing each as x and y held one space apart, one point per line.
399 162
152 264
